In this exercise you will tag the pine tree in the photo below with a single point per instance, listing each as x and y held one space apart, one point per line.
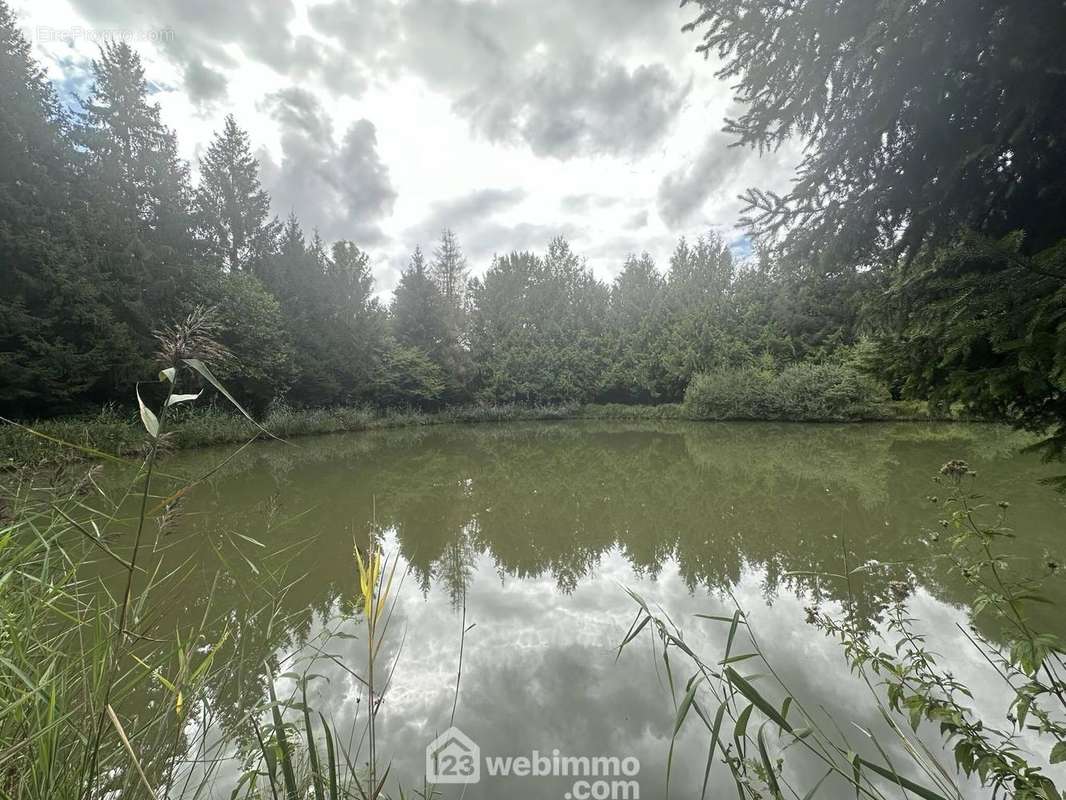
351 281
419 317
135 216
59 339
450 270
232 207
132 160
915 118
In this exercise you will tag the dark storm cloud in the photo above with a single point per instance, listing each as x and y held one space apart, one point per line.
342 189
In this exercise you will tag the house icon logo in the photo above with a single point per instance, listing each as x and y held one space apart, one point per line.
453 757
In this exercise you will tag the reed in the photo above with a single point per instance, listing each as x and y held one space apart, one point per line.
97 697
749 711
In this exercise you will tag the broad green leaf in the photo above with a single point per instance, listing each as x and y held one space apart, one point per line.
331 756
740 730
686 703
1058 753
771 777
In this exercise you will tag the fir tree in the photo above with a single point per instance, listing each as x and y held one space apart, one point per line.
233 209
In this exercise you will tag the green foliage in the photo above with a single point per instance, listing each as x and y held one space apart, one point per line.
96 696
979 323
252 326
903 671
927 206
1026 658
423 318
798 392
917 118
408 377
232 210
103 238
537 329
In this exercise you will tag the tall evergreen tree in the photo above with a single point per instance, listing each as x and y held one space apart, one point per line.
450 270
538 328
132 160
423 319
136 212
61 341
637 320
233 210
296 274
351 281
419 317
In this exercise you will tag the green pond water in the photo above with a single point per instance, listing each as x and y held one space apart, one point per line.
537 529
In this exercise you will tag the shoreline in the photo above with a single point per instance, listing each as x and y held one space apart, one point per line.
114 433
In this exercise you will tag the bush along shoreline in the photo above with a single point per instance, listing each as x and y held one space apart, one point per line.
115 431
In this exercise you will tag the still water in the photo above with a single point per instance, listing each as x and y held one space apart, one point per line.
528 535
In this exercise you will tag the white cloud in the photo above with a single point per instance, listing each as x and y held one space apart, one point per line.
597 117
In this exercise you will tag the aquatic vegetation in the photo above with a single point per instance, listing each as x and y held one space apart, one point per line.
908 679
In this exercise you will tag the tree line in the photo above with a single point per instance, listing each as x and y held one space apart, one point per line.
106 238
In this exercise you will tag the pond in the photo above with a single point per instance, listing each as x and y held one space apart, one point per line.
516 544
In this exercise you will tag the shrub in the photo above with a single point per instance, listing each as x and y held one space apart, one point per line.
799 392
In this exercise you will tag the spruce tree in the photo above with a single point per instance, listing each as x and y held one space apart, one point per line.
233 210
419 317
450 270
60 340
135 215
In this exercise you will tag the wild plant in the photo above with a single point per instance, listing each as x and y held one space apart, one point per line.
907 680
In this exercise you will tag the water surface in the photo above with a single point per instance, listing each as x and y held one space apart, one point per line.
530 532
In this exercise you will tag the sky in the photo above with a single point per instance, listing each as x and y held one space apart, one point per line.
384 121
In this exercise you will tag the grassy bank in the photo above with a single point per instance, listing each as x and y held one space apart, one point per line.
119 431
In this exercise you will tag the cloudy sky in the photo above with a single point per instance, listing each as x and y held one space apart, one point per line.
510 121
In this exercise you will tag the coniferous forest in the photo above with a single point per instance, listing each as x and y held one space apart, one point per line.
928 205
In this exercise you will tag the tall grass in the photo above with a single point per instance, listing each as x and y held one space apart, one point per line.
113 431
98 699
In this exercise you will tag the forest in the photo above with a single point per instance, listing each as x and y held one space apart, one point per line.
888 274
